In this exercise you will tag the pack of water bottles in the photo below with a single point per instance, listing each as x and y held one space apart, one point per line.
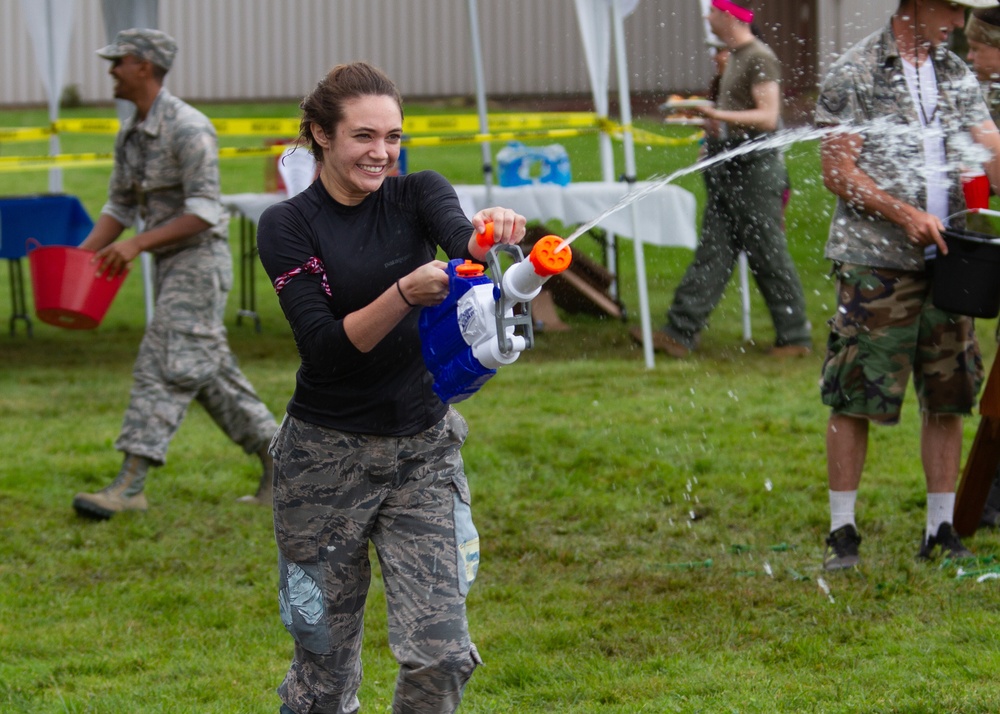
520 165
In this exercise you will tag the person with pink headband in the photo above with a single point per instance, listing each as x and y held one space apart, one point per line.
743 14
744 208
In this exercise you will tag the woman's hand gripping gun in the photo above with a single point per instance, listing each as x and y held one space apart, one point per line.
477 329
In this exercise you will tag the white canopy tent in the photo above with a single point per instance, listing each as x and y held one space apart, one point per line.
599 21
51 22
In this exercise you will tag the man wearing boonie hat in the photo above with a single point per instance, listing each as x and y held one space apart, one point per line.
165 181
983 34
909 115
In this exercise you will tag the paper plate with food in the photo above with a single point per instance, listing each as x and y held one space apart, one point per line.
684 121
676 103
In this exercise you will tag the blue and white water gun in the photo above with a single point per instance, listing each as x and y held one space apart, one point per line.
466 338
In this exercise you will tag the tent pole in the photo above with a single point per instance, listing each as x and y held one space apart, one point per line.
484 125
119 16
55 173
625 109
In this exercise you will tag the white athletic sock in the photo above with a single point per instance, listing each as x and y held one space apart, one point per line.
940 509
842 509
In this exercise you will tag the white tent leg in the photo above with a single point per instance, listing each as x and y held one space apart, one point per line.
745 295
147 284
625 106
484 125
122 15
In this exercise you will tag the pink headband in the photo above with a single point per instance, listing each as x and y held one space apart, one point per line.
740 13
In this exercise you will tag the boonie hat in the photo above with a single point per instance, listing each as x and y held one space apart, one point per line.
984 26
150 45
975 4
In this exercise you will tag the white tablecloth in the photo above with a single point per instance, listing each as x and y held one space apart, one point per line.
665 216
251 205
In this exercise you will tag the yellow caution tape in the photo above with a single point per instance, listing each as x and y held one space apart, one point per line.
30 163
505 127
498 136
428 124
647 137
31 133
256 127
467 123
86 126
248 152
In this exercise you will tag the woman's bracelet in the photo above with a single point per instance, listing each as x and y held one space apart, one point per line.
403 296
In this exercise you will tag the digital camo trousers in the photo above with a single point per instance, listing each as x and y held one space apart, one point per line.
184 355
334 492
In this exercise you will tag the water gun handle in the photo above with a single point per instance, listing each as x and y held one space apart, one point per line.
521 284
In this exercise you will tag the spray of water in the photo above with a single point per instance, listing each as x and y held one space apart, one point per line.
778 140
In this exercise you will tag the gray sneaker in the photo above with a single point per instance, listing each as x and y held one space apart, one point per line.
946 542
842 549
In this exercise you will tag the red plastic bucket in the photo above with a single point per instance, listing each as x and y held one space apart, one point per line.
68 293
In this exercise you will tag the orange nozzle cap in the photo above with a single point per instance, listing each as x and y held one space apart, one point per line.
468 269
547 260
485 239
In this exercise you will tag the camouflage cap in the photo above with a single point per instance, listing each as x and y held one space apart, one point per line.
151 45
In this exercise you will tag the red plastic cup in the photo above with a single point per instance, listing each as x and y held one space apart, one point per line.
977 190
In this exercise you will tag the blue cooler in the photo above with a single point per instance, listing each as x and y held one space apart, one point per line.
520 165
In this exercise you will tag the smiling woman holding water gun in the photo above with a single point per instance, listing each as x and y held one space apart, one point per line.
368 451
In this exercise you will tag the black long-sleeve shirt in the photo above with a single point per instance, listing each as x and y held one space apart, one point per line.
364 249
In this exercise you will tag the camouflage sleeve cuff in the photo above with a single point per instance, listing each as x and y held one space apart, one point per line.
123 214
207 209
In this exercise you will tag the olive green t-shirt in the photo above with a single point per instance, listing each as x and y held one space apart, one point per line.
753 63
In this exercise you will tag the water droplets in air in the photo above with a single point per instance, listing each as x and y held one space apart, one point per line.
966 150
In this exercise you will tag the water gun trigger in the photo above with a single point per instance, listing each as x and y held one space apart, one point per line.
485 239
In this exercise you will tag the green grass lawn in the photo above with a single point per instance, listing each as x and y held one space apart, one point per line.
651 538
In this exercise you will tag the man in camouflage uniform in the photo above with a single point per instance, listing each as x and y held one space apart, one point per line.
166 177
910 116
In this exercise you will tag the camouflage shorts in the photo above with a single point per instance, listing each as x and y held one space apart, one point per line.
885 328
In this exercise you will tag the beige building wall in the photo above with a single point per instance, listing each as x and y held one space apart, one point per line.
847 22
278 49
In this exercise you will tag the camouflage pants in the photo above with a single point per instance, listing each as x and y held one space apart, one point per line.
334 492
743 212
885 327
184 356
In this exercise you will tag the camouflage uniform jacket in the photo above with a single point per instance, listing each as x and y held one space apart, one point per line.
166 166
867 87
991 90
